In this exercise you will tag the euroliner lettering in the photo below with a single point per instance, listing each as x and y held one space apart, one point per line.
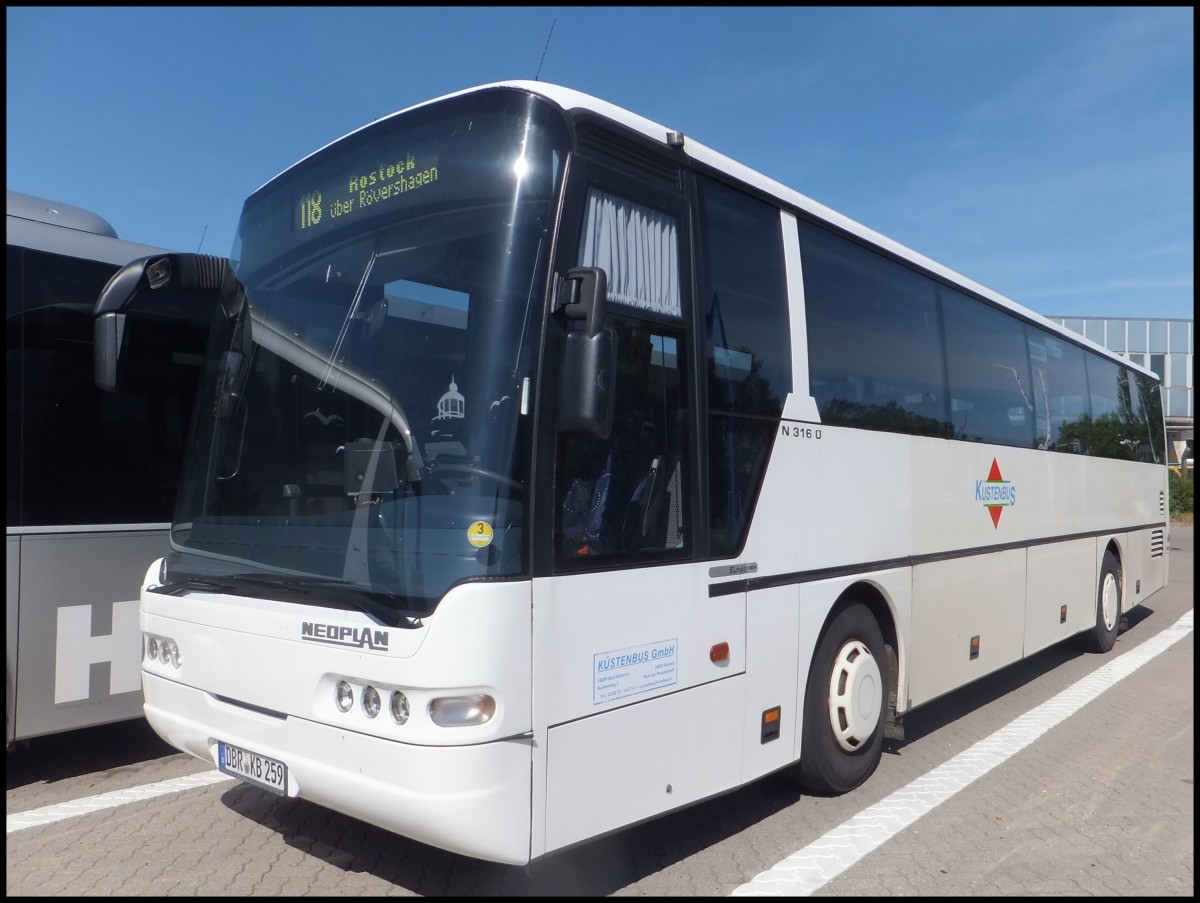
340 635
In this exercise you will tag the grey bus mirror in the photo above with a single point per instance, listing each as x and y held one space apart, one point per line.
581 296
590 356
184 286
587 386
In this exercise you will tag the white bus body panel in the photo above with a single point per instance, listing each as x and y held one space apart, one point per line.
623 766
465 789
836 498
617 654
585 623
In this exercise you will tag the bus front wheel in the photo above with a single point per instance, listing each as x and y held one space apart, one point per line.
844 705
1104 632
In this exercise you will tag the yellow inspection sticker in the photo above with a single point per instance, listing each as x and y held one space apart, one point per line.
479 534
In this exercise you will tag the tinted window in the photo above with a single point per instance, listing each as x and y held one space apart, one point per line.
745 302
1147 401
874 338
77 455
1111 431
987 364
748 351
1060 393
623 496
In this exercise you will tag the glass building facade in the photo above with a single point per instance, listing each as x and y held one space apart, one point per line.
1165 346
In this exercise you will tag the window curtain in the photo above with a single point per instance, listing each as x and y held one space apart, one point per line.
639 250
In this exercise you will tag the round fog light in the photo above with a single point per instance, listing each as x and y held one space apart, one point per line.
399 707
345 696
176 657
164 652
371 702
151 648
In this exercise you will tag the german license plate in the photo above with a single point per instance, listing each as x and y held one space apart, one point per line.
252 767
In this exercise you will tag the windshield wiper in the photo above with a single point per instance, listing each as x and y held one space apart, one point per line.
342 589
179 587
291 585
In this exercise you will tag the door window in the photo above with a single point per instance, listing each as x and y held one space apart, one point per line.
625 495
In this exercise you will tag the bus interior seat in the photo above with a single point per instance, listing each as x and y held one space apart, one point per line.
652 520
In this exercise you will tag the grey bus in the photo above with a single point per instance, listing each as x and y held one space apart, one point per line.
81 528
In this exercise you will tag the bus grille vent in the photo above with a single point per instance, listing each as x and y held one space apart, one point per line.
1156 544
607 148
1162 503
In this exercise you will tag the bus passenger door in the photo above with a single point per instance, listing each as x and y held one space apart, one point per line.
636 669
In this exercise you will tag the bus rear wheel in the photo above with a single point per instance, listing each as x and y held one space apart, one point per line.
844 705
1104 632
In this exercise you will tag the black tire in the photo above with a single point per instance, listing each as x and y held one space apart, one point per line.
1104 632
845 705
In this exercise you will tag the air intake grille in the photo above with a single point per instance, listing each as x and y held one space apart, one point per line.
607 148
1156 544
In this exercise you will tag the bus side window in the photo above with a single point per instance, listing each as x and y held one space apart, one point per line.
748 351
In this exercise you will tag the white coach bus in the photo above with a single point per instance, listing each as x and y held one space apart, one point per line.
554 471
91 476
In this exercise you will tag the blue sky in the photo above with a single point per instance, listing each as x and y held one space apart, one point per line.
1047 153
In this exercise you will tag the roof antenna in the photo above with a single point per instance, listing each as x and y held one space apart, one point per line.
202 234
543 59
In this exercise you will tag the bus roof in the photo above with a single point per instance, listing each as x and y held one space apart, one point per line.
570 99
44 210
57 228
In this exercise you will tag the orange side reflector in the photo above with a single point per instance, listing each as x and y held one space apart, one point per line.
719 653
770 725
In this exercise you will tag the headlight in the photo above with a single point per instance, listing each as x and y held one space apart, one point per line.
161 649
371 702
399 707
345 696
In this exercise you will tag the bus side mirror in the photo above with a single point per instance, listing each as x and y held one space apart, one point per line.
589 365
586 389
107 332
184 286
582 294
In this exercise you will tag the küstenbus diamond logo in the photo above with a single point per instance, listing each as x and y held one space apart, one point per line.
996 493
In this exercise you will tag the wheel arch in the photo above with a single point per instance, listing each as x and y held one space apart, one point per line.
1116 547
883 608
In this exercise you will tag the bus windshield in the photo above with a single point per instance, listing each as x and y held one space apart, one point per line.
360 425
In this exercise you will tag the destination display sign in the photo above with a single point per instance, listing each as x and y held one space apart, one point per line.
359 188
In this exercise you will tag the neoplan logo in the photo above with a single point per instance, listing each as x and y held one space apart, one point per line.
341 635
996 493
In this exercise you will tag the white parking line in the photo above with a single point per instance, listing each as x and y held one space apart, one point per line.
47 814
809 869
